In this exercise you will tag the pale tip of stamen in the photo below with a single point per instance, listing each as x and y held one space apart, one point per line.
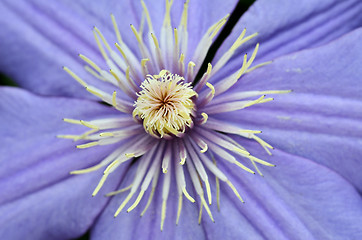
187 195
205 117
212 88
106 134
244 167
134 205
87 145
179 209
129 155
244 152
95 192
207 208
204 149
87 124
163 214
99 186
68 120
235 191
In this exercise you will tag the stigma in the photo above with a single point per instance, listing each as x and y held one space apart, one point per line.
165 105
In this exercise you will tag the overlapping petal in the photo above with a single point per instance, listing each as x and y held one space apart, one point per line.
38 37
63 210
38 195
321 118
289 26
298 199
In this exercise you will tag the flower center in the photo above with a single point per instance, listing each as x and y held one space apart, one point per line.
165 105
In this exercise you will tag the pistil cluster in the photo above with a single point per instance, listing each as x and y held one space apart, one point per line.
165 105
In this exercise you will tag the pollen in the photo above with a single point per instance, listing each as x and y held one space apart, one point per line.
165 105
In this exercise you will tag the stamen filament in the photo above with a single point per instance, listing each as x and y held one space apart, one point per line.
206 207
94 73
116 29
179 208
217 182
190 71
103 39
139 197
87 145
187 195
235 191
154 184
159 57
119 191
148 18
100 47
90 62
181 64
120 208
75 76
200 212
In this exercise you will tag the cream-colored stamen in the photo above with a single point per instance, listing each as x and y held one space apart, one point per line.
165 104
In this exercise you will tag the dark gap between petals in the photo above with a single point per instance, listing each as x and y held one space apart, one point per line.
7 81
239 10
86 236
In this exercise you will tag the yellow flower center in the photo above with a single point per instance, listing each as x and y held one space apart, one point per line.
165 104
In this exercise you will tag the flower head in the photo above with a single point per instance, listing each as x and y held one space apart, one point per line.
313 193
172 126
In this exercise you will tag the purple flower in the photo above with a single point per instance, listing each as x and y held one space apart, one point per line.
313 193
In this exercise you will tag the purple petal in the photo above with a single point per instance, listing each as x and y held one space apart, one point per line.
298 199
39 38
321 119
288 26
38 195
332 69
131 226
202 15
64 210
